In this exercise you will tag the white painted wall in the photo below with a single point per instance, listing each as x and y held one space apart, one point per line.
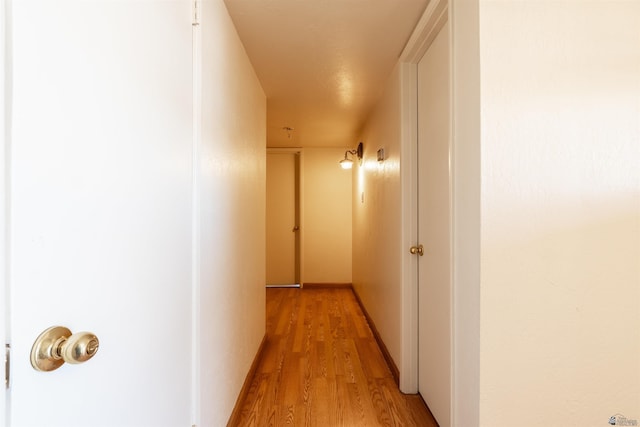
377 222
560 271
232 216
327 216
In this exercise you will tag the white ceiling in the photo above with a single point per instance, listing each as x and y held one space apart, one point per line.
322 63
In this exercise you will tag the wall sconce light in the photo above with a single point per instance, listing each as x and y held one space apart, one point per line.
347 163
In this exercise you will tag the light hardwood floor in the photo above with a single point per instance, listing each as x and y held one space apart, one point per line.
321 366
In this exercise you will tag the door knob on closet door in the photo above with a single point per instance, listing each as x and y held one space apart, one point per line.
58 345
417 250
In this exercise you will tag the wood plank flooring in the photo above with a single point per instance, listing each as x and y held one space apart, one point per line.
322 367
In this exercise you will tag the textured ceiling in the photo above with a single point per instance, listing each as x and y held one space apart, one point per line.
322 63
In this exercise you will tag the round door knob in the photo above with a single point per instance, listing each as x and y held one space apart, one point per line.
79 347
417 250
57 345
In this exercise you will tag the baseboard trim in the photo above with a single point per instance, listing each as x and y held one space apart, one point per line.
326 285
234 419
385 352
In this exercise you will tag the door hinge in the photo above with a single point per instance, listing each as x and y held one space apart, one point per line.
196 13
7 365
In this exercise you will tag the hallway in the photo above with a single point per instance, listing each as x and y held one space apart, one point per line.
321 366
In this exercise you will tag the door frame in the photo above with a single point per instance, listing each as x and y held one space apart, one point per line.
464 69
5 110
300 207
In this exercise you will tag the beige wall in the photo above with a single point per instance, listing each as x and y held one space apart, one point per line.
232 216
560 280
326 217
377 221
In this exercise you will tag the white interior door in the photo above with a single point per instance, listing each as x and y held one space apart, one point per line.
283 228
434 228
100 209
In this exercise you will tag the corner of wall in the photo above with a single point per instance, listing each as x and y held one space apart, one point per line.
464 16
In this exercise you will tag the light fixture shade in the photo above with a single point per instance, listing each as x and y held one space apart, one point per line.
346 163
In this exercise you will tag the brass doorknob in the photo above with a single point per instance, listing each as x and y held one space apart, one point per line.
417 250
57 345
